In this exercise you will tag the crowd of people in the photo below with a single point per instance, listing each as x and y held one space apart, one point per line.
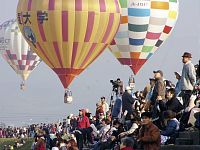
132 120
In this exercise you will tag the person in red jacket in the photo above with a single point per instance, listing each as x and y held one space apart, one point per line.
84 129
40 145
83 120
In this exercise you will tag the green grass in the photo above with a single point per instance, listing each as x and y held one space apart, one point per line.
8 141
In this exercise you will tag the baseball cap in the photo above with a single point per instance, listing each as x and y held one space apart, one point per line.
158 71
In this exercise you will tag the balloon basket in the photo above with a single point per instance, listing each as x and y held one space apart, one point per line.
23 86
68 96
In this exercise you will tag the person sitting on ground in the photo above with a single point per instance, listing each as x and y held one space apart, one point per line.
149 134
172 102
169 134
72 145
127 144
135 120
40 145
103 133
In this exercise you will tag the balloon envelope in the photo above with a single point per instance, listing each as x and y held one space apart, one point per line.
16 51
68 35
145 25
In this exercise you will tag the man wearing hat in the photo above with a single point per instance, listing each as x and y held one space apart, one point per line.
158 97
188 78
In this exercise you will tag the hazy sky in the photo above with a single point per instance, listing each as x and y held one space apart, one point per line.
43 99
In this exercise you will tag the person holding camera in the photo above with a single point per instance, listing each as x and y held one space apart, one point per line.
117 86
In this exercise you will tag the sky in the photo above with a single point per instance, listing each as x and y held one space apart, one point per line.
42 101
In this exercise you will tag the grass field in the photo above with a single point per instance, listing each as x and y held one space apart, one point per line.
9 141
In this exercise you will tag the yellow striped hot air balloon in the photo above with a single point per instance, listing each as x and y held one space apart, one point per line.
68 35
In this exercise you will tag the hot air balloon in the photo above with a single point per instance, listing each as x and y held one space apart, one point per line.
145 25
68 35
16 51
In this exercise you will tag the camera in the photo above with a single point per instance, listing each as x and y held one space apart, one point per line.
116 85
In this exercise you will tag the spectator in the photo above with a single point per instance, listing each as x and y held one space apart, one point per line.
149 134
135 120
72 145
127 144
178 84
104 105
149 94
169 134
127 102
172 102
157 99
117 109
40 145
188 78
83 121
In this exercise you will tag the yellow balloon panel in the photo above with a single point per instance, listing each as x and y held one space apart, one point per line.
69 34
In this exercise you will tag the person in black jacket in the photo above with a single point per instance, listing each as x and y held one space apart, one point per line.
127 102
172 102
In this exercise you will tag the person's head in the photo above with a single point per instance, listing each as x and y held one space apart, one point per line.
81 112
170 93
72 143
169 114
116 123
101 116
128 89
186 57
178 76
146 118
118 80
105 121
103 99
98 105
135 118
152 82
126 142
137 94
158 74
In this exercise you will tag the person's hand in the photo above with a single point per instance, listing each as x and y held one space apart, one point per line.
122 134
159 98
113 138
125 113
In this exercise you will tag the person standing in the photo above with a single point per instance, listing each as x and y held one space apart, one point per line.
188 78
127 102
178 84
149 134
158 98
104 105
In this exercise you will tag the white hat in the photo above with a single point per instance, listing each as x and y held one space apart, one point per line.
128 88
177 73
42 137
71 115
